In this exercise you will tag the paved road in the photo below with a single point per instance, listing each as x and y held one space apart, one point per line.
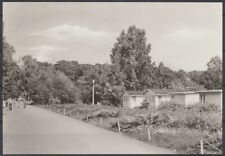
38 131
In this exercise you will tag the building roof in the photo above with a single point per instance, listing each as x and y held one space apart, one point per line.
163 91
183 92
210 91
169 92
134 93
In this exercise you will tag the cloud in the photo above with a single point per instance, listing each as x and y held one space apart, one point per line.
188 33
44 52
67 32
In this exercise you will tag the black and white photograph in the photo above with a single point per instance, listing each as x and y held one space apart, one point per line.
112 77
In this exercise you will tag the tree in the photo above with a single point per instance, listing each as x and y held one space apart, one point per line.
212 77
215 65
11 72
64 88
130 58
69 68
44 83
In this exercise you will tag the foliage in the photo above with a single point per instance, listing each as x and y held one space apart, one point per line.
212 77
12 74
130 55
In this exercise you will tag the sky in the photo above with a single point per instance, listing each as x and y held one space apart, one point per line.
182 35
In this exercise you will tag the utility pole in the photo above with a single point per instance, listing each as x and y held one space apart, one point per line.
93 92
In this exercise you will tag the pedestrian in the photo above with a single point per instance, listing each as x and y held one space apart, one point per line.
7 104
19 102
14 103
10 104
24 103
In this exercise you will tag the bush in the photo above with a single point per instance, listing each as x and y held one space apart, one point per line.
53 100
104 114
181 140
170 107
161 119
204 107
106 103
211 122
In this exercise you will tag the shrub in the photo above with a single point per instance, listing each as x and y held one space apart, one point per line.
161 119
181 141
106 102
104 114
204 107
170 107
211 122
53 100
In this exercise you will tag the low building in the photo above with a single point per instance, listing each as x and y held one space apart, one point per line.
211 96
155 97
184 98
132 99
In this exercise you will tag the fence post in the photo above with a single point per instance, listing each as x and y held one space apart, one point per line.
70 113
118 123
64 111
201 146
149 134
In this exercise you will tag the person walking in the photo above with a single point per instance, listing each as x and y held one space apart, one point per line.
24 103
10 104
7 104
14 102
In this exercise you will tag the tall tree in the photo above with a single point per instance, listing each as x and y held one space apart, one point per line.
130 56
212 77
11 72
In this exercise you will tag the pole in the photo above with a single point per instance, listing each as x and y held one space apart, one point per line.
149 135
93 92
201 143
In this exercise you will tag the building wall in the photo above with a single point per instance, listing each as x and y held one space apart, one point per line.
215 98
160 99
135 101
132 101
125 101
150 97
165 98
157 103
192 99
178 99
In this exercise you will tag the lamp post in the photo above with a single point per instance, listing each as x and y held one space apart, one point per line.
93 92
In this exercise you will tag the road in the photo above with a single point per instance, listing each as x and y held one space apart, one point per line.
35 130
